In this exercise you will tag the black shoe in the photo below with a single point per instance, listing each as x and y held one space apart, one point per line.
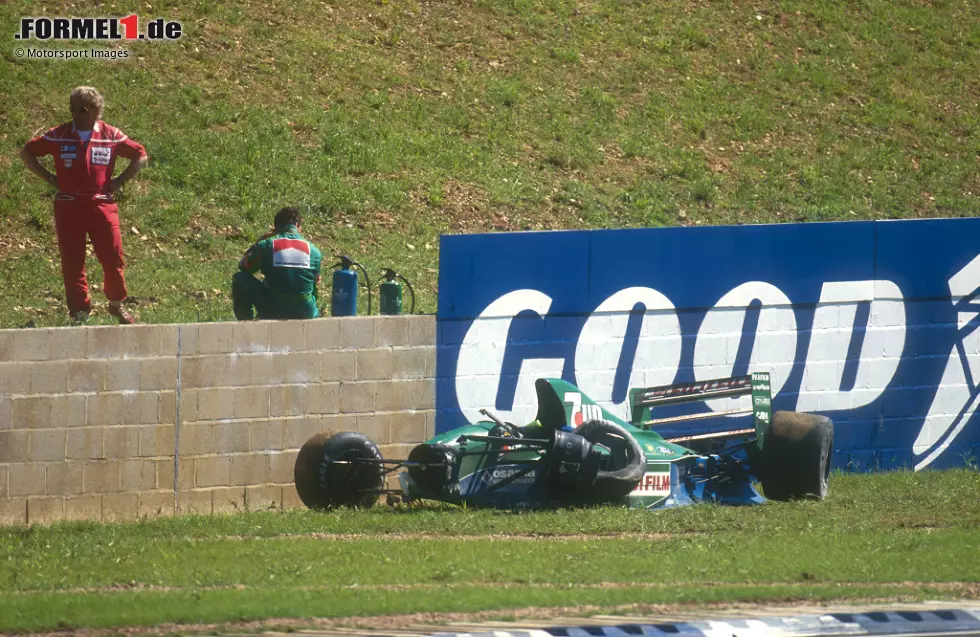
80 317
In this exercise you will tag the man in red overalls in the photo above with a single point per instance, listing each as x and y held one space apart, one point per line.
85 151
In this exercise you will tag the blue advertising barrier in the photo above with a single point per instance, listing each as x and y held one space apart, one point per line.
874 324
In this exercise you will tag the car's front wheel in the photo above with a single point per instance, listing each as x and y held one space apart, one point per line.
339 470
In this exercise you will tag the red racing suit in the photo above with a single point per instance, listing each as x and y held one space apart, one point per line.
84 205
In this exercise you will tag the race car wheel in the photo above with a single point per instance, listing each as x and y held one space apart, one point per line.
622 469
435 471
795 461
339 470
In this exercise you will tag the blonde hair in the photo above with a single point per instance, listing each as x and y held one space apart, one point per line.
88 95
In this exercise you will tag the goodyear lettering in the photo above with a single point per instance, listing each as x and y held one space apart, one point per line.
324 466
596 349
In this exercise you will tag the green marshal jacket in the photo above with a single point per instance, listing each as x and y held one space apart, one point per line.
291 267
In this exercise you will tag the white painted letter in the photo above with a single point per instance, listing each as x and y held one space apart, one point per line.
830 338
718 339
600 345
481 359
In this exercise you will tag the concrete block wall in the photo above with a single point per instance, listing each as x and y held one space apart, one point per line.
106 423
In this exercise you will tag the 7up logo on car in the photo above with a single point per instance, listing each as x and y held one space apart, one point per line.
577 412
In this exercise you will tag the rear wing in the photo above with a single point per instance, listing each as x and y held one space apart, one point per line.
643 401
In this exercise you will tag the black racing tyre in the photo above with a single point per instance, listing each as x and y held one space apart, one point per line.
623 469
331 471
795 460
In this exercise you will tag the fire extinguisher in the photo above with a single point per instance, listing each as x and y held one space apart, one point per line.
391 293
343 297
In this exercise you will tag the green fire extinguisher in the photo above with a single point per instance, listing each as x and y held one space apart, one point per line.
391 293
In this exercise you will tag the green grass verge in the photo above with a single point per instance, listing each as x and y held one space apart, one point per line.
390 123
884 537
107 610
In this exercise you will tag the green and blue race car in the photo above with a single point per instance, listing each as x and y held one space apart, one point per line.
576 453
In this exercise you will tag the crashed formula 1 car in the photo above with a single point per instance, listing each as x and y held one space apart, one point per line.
577 453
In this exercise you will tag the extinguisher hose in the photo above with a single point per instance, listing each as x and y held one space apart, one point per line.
410 289
367 281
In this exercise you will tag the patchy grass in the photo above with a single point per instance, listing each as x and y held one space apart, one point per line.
900 535
390 123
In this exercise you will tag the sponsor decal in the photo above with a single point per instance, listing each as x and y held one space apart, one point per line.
68 148
659 449
576 412
655 483
68 155
491 476
290 253
101 155
68 163
698 388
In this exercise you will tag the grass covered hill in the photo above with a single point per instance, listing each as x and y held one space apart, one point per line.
391 122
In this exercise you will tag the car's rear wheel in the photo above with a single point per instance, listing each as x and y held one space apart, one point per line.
795 460
339 470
